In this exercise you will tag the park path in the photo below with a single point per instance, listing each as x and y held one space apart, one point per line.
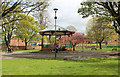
61 54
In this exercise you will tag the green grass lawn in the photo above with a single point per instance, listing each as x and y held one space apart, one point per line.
0 67
92 66
103 49
103 44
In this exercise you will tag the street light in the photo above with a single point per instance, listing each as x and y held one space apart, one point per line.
55 9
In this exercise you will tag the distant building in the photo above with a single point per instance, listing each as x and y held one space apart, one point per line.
16 42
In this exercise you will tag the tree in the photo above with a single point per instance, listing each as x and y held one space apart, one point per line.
52 39
9 28
6 8
75 39
0 22
109 10
0 11
11 15
27 30
98 30
20 6
41 14
71 28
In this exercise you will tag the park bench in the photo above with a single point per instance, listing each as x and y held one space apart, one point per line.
62 49
93 48
114 49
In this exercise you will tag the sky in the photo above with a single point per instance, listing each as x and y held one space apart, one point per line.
67 14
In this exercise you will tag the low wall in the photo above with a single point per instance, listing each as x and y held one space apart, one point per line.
33 47
21 47
86 46
17 47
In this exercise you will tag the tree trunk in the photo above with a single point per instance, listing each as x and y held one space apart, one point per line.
118 39
7 44
118 21
100 45
74 46
96 45
7 40
25 44
82 45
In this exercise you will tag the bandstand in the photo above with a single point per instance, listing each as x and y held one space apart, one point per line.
51 31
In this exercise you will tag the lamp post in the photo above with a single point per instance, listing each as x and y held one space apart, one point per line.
55 9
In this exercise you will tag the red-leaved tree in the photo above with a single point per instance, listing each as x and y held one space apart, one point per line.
75 39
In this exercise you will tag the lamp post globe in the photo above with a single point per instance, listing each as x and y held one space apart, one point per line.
55 9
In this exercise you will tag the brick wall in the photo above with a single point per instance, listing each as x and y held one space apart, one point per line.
33 47
16 42
21 47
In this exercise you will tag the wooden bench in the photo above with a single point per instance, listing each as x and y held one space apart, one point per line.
93 48
114 49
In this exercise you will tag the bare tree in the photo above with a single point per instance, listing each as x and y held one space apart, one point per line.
41 14
71 28
20 6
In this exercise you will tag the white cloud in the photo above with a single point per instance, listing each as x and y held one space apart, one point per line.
67 14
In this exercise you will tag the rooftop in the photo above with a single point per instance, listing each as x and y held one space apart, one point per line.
59 31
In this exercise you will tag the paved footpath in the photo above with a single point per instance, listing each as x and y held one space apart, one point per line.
61 54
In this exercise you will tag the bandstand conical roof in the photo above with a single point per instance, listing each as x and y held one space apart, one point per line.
59 31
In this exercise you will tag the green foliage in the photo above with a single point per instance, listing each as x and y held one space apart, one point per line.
52 40
109 10
11 17
98 30
26 29
9 27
